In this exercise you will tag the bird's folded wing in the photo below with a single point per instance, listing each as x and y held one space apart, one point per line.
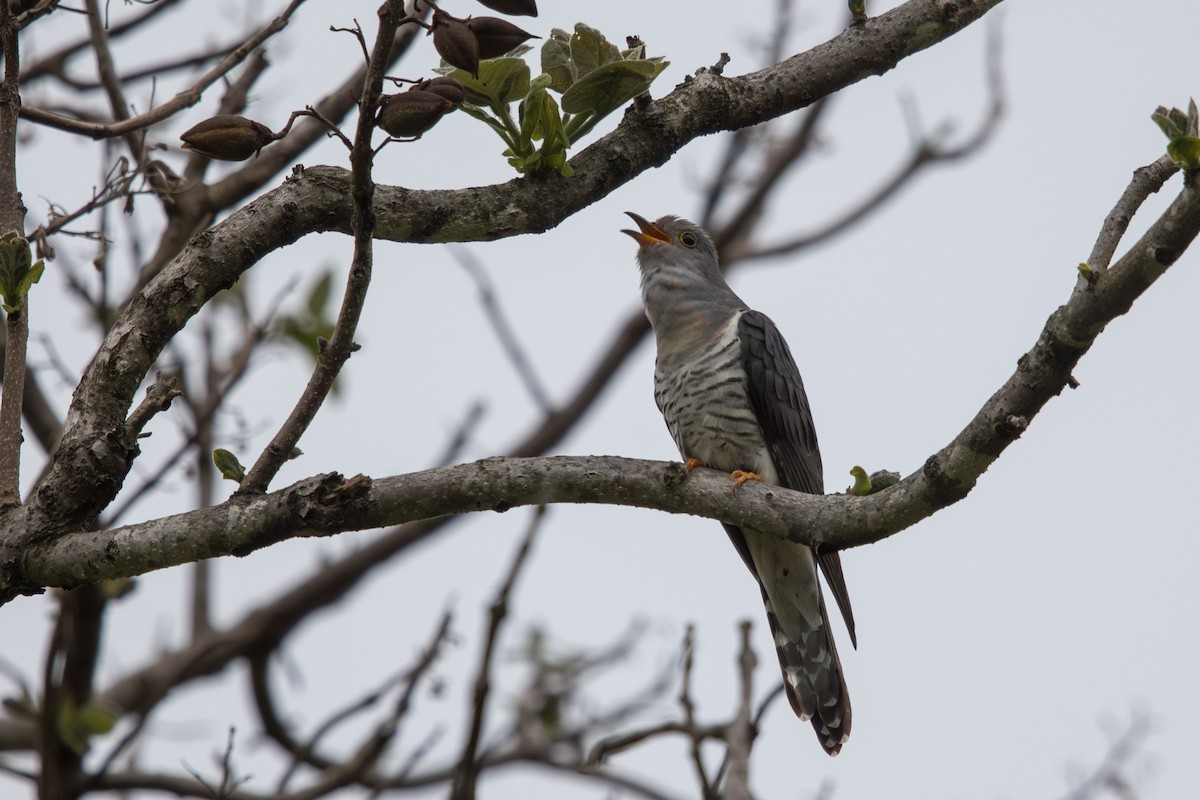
777 396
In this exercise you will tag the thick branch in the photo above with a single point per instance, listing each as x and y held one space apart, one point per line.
328 504
89 467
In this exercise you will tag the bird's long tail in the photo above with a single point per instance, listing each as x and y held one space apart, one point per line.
812 676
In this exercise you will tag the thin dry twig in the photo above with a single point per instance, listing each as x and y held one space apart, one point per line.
928 150
158 398
359 769
689 714
741 730
341 343
1110 776
54 63
1146 181
184 99
504 331
468 769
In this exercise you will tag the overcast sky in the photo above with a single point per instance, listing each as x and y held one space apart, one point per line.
1001 642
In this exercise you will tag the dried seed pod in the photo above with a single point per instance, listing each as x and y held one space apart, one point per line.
410 114
445 87
227 137
514 8
497 36
456 43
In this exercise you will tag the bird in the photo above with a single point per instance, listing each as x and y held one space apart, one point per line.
733 400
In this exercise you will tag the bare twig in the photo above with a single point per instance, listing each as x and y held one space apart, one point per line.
738 143
468 768
153 71
1146 181
755 724
741 225
341 344
106 69
741 730
180 101
606 748
358 767
1109 778
462 434
158 398
504 332
927 151
689 713
16 344
306 752
53 64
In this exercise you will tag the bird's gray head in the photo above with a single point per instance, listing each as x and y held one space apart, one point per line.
682 284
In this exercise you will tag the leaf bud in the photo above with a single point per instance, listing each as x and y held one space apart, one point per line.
227 137
497 36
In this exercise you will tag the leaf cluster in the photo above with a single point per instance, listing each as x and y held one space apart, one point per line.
593 77
1183 131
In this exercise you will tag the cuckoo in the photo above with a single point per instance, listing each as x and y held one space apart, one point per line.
732 398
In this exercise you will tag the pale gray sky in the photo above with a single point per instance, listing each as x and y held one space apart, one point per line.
999 640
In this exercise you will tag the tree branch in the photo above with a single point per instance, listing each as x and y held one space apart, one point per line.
468 765
88 470
328 504
184 99
338 349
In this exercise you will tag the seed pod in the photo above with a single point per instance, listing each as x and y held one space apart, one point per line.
410 114
448 88
497 36
227 137
514 8
456 43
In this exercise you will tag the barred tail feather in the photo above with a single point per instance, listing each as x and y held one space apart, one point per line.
812 679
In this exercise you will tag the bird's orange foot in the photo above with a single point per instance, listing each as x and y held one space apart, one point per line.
740 477
692 463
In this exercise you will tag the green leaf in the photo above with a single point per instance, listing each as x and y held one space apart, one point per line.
590 50
93 720
556 60
228 465
554 136
318 295
501 81
1185 151
608 88
558 161
531 115
33 276
1176 123
17 271
862 483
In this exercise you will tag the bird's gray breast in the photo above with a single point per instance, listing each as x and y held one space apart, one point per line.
701 389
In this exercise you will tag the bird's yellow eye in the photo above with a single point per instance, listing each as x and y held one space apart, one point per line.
688 239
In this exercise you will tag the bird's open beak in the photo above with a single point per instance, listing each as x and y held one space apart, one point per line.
649 234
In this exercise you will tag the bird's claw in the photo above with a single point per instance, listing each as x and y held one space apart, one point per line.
740 477
692 463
